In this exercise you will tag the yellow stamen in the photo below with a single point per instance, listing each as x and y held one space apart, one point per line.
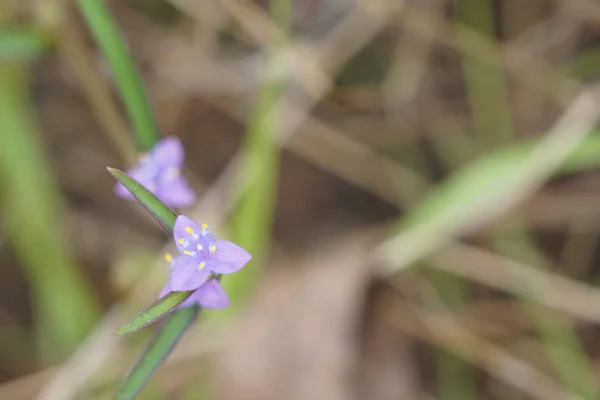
202 264
188 253
181 241
213 248
168 257
204 226
189 230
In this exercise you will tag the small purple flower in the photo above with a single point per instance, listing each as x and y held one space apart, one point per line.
201 254
209 295
159 171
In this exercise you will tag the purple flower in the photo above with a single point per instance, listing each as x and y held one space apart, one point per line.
201 254
159 171
209 295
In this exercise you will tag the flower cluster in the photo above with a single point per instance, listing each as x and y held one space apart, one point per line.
203 258
159 171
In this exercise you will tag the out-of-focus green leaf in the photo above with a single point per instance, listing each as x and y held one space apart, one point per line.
159 210
161 308
477 190
64 307
485 80
585 156
128 80
158 350
21 45
251 223
471 185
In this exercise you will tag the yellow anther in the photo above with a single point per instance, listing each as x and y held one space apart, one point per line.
201 265
213 248
189 230
181 241
188 253
204 226
168 257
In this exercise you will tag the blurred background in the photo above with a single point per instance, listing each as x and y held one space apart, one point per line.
417 181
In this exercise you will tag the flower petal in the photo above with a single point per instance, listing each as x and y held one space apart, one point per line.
211 295
166 289
177 193
186 233
122 192
168 152
229 257
187 274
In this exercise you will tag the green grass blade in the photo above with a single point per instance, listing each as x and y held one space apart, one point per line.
31 208
560 341
488 102
486 85
161 308
128 80
251 223
160 211
21 45
473 191
158 350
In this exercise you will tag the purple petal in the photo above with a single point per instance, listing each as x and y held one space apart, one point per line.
166 289
187 274
186 232
229 257
168 152
211 295
122 192
177 193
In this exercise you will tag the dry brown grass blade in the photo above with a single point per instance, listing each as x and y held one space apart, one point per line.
443 331
543 287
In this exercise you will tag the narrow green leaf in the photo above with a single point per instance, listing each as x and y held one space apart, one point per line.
160 211
32 216
161 308
21 45
127 78
158 350
251 224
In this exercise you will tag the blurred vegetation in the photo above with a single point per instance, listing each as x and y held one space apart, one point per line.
469 126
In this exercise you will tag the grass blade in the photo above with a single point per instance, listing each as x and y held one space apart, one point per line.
161 308
251 223
157 352
160 211
127 78
21 45
64 307
559 339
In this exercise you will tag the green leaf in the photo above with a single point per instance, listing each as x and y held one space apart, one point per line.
477 191
158 350
21 45
156 311
251 224
128 80
32 217
159 210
